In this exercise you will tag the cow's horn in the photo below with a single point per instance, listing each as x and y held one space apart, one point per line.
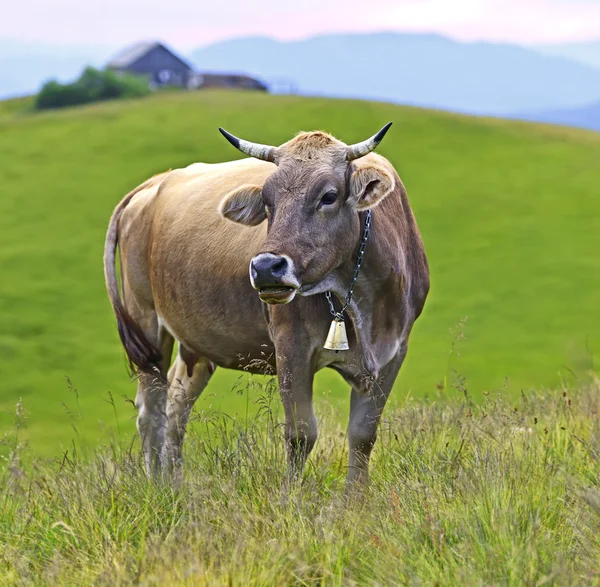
264 152
361 149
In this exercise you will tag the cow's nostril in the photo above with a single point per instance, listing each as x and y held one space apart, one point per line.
279 268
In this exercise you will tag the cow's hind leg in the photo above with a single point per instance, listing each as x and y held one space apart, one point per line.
184 390
365 413
151 401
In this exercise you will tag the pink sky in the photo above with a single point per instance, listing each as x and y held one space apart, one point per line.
192 23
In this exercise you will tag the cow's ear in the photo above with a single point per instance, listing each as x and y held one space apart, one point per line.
369 184
244 205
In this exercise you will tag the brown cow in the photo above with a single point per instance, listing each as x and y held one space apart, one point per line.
188 238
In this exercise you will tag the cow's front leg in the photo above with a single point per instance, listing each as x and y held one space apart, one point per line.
295 371
365 413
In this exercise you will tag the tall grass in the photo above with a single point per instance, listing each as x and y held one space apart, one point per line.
497 493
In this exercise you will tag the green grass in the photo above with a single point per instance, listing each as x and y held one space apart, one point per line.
499 493
508 213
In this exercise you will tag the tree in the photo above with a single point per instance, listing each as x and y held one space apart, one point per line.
93 85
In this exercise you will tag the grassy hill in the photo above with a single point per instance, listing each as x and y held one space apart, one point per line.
508 213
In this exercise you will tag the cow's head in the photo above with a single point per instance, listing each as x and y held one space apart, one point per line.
311 203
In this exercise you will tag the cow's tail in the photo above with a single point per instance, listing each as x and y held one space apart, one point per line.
142 354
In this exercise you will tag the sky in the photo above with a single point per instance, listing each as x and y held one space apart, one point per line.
188 24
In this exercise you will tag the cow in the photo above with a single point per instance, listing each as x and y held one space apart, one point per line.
253 262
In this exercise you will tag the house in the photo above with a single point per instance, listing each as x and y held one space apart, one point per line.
227 80
154 60
163 67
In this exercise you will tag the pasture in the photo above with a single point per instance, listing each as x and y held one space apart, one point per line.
498 493
486 471
508 214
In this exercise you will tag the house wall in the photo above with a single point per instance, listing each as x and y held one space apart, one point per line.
162 67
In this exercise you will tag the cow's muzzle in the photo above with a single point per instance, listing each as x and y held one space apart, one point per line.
274 278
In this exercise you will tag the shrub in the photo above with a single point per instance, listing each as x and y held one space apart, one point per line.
93 85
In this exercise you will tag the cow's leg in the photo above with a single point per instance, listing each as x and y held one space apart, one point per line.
295 372
365 413
151 402
184 390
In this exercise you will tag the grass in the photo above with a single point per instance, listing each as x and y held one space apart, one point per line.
504 492
508 213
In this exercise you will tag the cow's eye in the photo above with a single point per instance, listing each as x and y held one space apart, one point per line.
328 199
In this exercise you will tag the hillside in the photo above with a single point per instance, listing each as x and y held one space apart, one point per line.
585 117
508 213
420 69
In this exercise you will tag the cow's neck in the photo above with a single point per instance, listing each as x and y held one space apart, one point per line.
372 279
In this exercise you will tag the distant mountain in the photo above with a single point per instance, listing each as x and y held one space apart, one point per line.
425 70
586 53
586 117
25 66
418 69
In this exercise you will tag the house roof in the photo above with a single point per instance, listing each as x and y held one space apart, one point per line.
231 74
133 53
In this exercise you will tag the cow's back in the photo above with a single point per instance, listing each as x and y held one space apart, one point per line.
196 262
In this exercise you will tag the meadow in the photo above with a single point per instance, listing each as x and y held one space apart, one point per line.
507 212
494 493
486 471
